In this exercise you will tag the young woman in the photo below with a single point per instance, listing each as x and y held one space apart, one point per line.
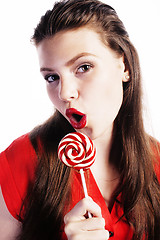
93 79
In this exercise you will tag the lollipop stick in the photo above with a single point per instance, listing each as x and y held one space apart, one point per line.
84 183
84 188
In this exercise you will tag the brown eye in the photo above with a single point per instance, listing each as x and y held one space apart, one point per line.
84 68
51 78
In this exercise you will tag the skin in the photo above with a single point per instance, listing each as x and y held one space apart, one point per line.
83 73
94 78
78 227
9 226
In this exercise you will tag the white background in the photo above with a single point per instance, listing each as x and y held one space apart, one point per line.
23 99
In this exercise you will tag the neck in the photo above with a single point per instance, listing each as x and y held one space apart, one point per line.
103 167
104 172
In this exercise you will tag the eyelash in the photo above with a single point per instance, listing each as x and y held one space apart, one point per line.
54 76
86 67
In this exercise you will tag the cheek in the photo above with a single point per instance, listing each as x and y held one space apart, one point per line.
114 87
114 96
49 92
105 90
52 94
105 98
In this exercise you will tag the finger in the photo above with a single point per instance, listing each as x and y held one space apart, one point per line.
90 224
91 235
81 208
94 235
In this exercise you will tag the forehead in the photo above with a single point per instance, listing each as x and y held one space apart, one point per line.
80 38
75 34
65 45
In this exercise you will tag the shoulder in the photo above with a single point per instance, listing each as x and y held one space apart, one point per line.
19 158
17 167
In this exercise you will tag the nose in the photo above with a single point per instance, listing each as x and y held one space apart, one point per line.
68 89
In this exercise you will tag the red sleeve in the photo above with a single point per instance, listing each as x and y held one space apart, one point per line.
17 167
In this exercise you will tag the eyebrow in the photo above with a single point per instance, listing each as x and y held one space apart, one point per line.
84 54
70 62
45 69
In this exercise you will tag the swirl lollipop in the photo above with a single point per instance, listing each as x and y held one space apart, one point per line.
77 150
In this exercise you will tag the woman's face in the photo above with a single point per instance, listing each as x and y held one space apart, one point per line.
84 79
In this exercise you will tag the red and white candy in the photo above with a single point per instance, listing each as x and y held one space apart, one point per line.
77 150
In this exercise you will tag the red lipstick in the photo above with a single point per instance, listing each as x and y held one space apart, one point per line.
77 119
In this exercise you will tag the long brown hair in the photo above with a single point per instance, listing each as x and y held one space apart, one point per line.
131 149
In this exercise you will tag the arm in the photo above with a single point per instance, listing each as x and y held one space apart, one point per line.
9 226
77 226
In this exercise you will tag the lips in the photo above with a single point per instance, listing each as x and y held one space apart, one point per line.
77 119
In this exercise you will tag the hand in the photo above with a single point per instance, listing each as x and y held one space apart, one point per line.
78 227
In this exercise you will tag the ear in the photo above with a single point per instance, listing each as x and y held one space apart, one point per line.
126 75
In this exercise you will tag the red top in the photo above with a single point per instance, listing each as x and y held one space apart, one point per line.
17 166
